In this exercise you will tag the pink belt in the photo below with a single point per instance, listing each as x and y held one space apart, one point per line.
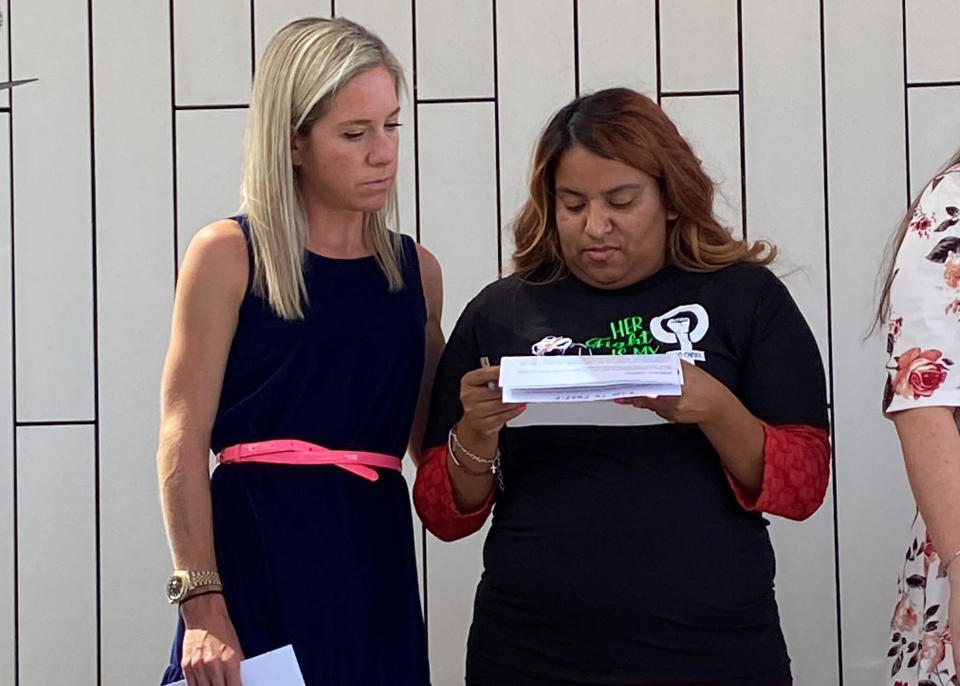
288 451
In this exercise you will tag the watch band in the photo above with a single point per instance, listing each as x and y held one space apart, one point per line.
184 583
200 592
198 579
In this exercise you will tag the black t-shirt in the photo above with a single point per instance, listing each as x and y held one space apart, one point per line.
618 554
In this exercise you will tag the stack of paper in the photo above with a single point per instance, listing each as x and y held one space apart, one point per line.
276 668
579 378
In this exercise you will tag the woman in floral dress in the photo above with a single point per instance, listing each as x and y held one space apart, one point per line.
921 306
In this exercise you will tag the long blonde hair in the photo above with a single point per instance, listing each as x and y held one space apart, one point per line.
303 67
624 125
893 247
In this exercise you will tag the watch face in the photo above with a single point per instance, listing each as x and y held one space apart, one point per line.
175 587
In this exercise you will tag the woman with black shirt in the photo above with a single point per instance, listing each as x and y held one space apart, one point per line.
629 551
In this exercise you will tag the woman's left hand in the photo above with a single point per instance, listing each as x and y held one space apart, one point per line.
736 435
702 399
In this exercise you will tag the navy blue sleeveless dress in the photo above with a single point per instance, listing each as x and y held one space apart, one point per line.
314 555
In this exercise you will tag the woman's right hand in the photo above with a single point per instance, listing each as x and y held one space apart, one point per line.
211 650
484 412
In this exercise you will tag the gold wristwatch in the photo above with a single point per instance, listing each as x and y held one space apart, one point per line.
183 583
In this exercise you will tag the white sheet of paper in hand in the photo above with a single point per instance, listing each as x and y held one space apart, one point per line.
277 668
581 378
606 413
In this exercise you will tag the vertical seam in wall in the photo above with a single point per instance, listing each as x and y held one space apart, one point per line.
423 556
416 119
831 409
743 145
253 40
496 139
906 101
576 48
656 31
96 340
13 371
173 130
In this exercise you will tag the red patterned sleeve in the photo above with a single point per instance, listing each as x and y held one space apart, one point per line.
796 469
433 499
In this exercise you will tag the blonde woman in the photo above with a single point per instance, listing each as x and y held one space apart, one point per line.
921 307
304 334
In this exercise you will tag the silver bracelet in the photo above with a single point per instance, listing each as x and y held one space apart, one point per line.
453 442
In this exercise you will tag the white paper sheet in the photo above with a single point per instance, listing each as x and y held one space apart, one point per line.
277 668
585 414
585 378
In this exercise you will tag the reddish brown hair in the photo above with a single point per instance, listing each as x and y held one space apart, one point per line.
621 124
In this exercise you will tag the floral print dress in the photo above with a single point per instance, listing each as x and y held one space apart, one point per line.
923 342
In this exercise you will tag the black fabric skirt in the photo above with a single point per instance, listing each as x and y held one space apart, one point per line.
317 557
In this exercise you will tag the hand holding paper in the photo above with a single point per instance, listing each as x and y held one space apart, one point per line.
703 399
277 668
485 411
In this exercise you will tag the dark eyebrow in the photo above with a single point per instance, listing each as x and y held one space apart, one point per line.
356 122
609 191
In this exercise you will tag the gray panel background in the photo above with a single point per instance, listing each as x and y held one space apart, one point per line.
817 120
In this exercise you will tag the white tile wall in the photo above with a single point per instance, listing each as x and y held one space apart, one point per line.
53 277
455 49
450 610
711 123
618 45
784 153
269 17
806 594
535 54
136 137
932 46
698 45
212 51
7 511
785 203
4 61
459 221
458 212
934 134
56 540
209 168
867 187
135 216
